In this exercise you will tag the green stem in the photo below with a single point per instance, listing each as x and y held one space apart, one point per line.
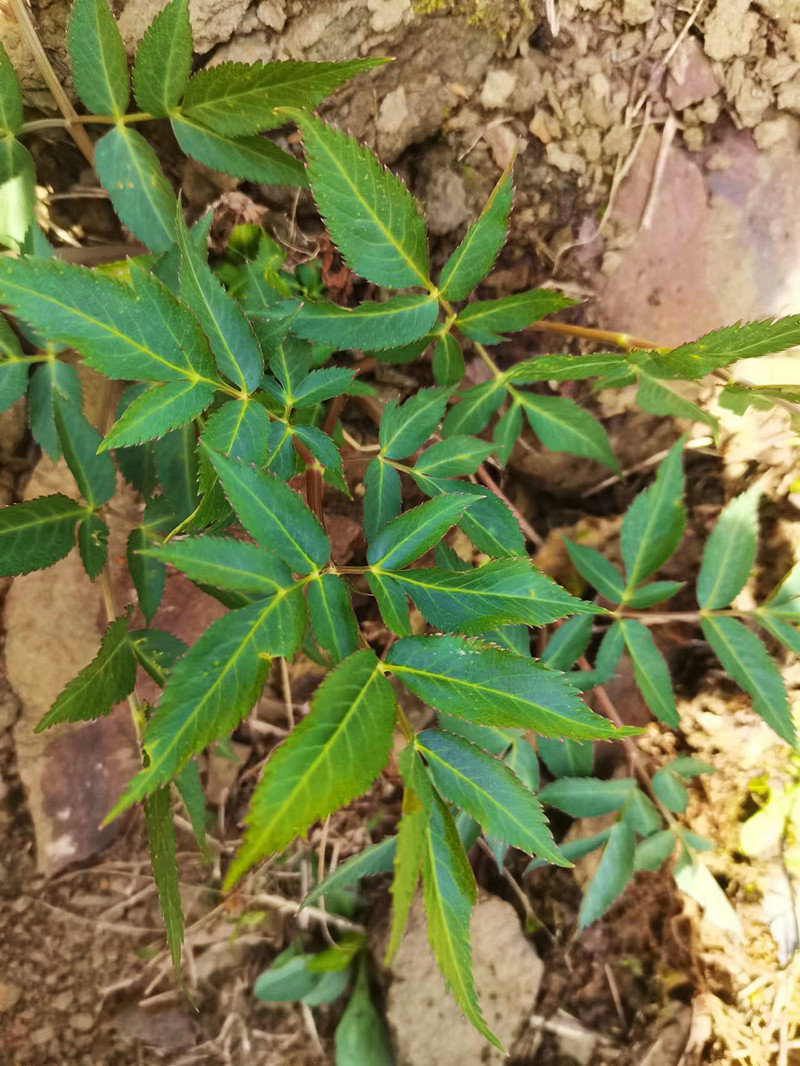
81 120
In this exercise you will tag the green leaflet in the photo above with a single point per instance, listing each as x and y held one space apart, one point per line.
475 407
137 464
148 575
331 757
13 368
410 845
650 671
506 432
239 429
597 570
566 758
565 367
273 514
141 333
784 600
383 495
108 678
447 362
327 455
161 840
475 256
652 593
746 660
405 353
93 544
414 532
226 563
290 362
164 60
485 320
370 213
613 873
159 409
652 853
370 326
249 158
568 643
361 1037
405 428
17 192
730 551
11 117
588 797
608 654
562 426
36 534
721 348
50 380
233 342
322 384
450 893
489 792
332 620
785 632
488 522
214 685
456 456
660 400
142 197
670 790
241 98
157 651
94 474
504 592
176 463
97 53
392 602
491 687
190 789
575 849
373 860
653 525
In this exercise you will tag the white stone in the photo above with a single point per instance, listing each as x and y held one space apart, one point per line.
497 88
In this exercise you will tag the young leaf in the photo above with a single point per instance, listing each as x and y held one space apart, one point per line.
588 797
370 213
721 348
566 758
474 409
93 544
99 63
730 551
597 570
407 863
273 514
370 326
392 602
405 428
17 192
485 320
331 757
332 619
504 592
164 60
226 563
361 1037
447 362
474 258
11 117
450 893
94 474
408 537
142 197
613 874
50 380
383 495
454 457
214 685
240 98
650 671
141 333
491 687
36 534
161 839
373 860
653 525
489 792
158 410
562 426
108 678
233 342
248 158
746 660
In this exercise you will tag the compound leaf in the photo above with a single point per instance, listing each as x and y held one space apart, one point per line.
108 678
331 757
97 53
475 256
370 213
414 532
730 551
490 687
36 534
164 60
142 197
653 524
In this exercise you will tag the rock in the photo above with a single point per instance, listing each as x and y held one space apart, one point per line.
9 996
635 12
443 193
545 126
81 1021
502 141
212 23
690 77
752 100
168 1030
729 29
774 131
272 13
426 1024
497 88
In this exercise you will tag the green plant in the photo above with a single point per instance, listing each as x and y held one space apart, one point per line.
237 389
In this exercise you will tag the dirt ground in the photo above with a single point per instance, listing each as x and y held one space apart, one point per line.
657 179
